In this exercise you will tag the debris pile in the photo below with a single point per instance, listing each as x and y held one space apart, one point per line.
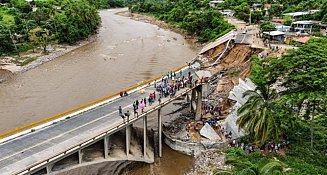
207 162
233 66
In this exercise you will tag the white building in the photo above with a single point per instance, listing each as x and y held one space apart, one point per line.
298 14
215 3
302 25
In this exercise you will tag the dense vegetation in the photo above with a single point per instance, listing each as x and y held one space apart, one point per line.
104 4
251 164
195 16
297 162
290 99
277 8
25 25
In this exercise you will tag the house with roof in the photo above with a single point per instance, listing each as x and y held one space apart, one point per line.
303 26
297 15
215 3
281 27
276 36
302 40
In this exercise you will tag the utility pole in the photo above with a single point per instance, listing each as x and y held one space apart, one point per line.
312 122
250 17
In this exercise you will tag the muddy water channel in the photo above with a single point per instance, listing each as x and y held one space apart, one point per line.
126 52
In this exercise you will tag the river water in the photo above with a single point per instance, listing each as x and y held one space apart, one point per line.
126 52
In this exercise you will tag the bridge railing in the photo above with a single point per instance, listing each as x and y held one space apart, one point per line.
102 134
62 116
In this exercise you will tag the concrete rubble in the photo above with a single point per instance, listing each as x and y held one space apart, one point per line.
207 162
209 133
236 94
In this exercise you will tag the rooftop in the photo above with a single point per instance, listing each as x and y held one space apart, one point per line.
278 20
274 33
303 22
294 14
302 40
218 1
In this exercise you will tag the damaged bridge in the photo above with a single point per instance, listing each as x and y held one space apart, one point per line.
70 139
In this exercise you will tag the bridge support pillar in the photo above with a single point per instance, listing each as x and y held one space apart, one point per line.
198 113
80 156
128 139
145 123
160 132
106 146
49 168
187 97
193 96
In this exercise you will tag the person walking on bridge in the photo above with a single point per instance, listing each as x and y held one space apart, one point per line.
144 101
127 114
135 111
142 105
120 111
137 104
150 99
134 108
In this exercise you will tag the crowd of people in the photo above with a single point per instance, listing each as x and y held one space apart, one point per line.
270 147
168 87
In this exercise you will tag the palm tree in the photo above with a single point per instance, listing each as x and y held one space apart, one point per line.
242 165
256 115
248 168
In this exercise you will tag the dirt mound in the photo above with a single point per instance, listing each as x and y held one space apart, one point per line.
235 65
238 55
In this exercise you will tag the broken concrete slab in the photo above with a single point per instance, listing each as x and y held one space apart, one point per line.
209 133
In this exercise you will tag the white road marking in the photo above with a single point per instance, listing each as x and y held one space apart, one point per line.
62 134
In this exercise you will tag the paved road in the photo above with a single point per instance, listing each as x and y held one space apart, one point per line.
249 37
243 38
24 151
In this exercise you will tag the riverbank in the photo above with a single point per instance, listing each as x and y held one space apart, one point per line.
10 65
30 60
85 70
192 39
125 53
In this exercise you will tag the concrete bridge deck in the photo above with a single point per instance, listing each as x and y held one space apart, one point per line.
22 154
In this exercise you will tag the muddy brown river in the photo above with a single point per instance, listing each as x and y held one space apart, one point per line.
125 53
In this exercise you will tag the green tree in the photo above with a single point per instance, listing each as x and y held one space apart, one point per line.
256 16
41 37
194 16
8 26
304 75
242 166
259 72
242 11
65 21
34 37
256 115
287 20
267 27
